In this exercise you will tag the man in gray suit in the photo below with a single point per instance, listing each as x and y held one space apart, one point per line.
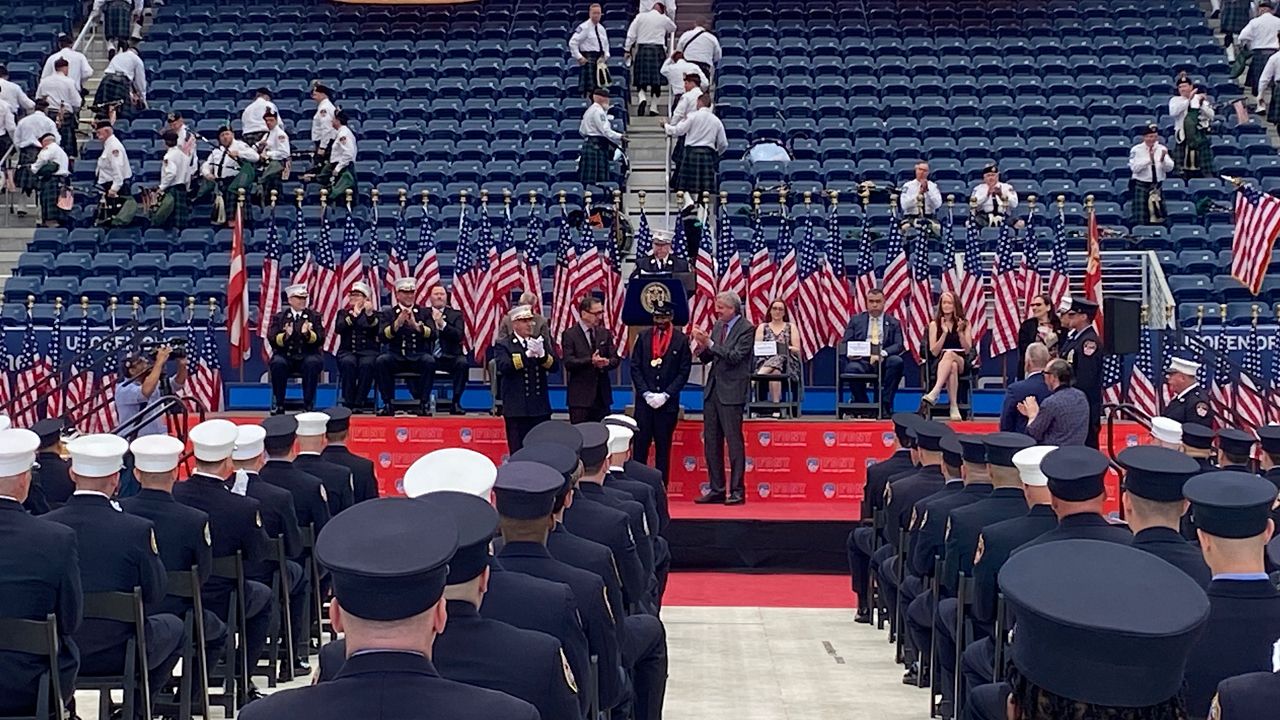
727 350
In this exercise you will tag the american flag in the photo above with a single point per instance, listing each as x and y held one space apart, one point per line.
80 386
951 272
1093 272
786 278
1252 401
1168 351
398 259
508 273
372 276
588 271
1220 394
615 293
1032 282
897 276
427 272
473 290
300 252
531 252
104 418
644 236
1059 265
352 262
810 305
1273 396
728 261
760 272
1006 284
238 294
864 269
269 302
324 285
6 369
1257 217
55 388
32 370
839 299
702 313
919 299
1112 380
562 291
973 282
1143 393
679 243
205 382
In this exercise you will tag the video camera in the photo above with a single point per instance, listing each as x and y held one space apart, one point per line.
177 348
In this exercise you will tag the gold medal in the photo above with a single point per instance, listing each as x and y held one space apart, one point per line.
656 362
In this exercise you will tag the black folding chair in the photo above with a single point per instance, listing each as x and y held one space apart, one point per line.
789 402
895 627
871 383
37 637
876 599
317 600
964 635
931 678
195 671
593 689
135 680
233 673
279 628
1000 637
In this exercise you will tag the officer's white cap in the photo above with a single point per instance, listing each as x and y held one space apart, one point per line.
311 424
622 419
1184 366
99 455
619 439
1166 430
521 312
5 422
406 284
156 453
248 442
1028 460
451 470
17 450
213 440
362 288
1064 304
298 290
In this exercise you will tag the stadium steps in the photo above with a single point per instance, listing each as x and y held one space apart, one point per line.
13 241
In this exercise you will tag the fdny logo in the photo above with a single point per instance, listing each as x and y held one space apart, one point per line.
829 438
1130 440
464 434
812 464
750 464
384 459
704 488
402 434
887 438
828 490
690 463
400 485
764 438
870 461
763 489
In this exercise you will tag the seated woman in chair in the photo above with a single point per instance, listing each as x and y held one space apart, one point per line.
949 343
779 329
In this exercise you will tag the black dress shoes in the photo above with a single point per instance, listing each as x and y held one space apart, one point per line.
710 499
736 499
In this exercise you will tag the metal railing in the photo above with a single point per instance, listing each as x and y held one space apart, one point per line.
88 32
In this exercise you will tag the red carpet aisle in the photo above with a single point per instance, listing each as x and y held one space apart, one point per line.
784 590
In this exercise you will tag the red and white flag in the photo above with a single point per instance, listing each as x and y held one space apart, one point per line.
238 294
1093 272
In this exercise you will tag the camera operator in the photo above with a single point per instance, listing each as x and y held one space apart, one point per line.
145 381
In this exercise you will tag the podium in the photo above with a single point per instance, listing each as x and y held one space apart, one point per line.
644 290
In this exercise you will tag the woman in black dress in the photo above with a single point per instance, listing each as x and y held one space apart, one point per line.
950 341
1044 326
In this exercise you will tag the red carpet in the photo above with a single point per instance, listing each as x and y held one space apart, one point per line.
722 589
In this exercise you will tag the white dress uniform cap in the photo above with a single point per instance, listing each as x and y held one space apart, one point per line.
156 453
17 450
1184 366
451 470
1166 430
311 424
213 440
619 439
249 442
406 284
1064 304
1028 463
97 456
521 312
621 419
298 290
362 288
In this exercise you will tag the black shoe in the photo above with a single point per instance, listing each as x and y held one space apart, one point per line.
653 113
710 499
912 676
386 411
863 616
277 410
423 410
455 410
644 107
735 499
249 695
301 668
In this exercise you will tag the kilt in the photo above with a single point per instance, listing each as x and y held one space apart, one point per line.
1235 15
174 211
1257 61
117 19
1273 104
269 178
646 70
67 134
699 172
587 74
595 164
1193 160
114 88
346 180
23 177
6 142
1139 195
51 187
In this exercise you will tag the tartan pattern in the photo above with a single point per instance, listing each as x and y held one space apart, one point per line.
1138 202
587 74
1273 105
50 188
67 135
1257 61
22 176
117 19
346 180
1235 15
180 215
114 87
699 171
595 163
646 69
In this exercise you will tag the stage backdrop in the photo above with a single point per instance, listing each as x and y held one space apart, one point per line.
787 461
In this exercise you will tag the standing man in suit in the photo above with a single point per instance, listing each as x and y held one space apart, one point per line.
660 365
589 357
297 335
661 261
524 361
728 350
1033 385
364 482
449 331
885 335
1083 349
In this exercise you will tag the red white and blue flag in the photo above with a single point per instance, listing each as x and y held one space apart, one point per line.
1252 400
1143 393
864 269
839 299
897 275
1006 281
563 313
1257 217
760 273
205 383
324 283
269 302
919 303
1059 265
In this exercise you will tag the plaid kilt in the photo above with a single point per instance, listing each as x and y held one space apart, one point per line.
646 70
595 164
346 180
180 214
6 142
1139 192
23 177
1203 160
117 19
1257 61
587 74
51 187
699 172
67 134
1273 104
1235 15
115 87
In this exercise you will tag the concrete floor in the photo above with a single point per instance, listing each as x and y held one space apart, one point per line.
745 663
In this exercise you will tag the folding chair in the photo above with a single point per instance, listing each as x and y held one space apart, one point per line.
895 629
135 681
235 662
1000 637
37 637
279 628
317 601
873 582
872 383
195 670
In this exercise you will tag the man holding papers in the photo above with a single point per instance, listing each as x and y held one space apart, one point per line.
873 343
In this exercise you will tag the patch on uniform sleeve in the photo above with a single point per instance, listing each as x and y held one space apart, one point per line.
568 673
946 534
977 555
208 538
1071 356
155 549
604 592
115 152
257 519
324 495
888 494
342 139
1202 409
1215 710
912 524
1089 348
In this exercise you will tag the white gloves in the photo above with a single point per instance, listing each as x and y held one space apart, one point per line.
656 400
535 348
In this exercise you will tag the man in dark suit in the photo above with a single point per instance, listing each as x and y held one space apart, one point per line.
523 362
728 351
364 480
359 339
885 335
52 474
450 357
338 484
43 578
310 499
1153 506
297 336
1083 349
1033 385
660 365
409 333
1232 512
589 356
859 544
661 262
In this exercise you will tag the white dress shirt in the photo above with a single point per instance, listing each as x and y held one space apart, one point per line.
222 164
54 154
649 28
176 168
1260 33
343 152
322 130
78 67
276 145
647 5
675 70
137 6
13 94
1270 74
700 46
1008 198
187 144
33 127
908 200
701 129
1178 106
1142 159
595 123
113 165
589 37
688 103
251 119
127 63
63 93
8 126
